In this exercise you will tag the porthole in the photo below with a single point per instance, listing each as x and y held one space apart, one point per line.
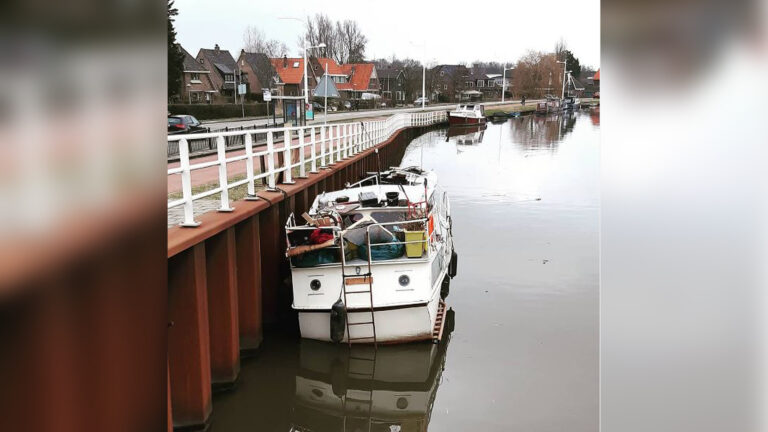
315 284
404 280
402 403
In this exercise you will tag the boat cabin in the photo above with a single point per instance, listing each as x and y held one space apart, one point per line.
383 217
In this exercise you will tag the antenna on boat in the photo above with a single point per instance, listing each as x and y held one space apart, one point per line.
378 170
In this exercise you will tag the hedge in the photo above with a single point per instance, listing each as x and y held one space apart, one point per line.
210 112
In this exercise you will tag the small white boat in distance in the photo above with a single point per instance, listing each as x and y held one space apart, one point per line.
373 262
469 114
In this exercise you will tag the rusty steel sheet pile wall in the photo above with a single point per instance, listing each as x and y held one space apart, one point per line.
229 278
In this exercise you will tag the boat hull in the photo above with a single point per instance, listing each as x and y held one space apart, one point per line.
394 324
461 120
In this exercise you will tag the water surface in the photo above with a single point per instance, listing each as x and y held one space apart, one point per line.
523 353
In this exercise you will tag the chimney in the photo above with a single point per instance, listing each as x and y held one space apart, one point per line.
216 47
285 61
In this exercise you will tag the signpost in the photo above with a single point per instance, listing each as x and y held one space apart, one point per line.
241 91
267 96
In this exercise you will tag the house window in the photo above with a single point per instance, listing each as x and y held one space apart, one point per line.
229 77
490 83
194 77
480 83
295 64
442 73
445 86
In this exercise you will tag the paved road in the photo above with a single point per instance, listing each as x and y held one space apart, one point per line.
347 115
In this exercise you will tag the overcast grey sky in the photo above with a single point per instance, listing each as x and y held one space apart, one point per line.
453 30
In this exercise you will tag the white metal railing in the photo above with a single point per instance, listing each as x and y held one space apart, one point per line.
318 146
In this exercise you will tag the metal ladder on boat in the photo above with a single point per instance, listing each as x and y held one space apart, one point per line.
364 279
366 370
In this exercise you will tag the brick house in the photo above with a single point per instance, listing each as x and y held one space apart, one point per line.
392 85
361 78
257 72
222 66
446 82
196 85
291 73
485 84
351 80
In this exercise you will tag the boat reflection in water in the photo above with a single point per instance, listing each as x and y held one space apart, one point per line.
466 135
364 389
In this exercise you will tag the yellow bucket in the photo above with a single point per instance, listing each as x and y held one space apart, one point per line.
415 250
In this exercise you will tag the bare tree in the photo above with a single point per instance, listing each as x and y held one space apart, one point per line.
320 29
560 48
353 40
537 74
255 41
344 40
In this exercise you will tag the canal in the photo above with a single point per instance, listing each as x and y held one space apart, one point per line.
523 350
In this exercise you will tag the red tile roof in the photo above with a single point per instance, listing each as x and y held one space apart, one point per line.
333 67
359 73
597 76
289 74
361 76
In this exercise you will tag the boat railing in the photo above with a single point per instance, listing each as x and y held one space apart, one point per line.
302 150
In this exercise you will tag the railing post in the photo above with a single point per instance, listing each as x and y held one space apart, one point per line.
322 146
249 167
338 143
313 151
186 185
347 141
302 159
330 144
270 162
221 147
287 162
356 137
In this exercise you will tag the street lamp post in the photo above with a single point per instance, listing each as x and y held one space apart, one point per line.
423 72
306 81
504 81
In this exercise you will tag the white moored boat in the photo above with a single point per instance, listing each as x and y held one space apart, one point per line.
470 114
373 262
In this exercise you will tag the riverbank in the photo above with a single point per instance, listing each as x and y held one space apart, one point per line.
530 106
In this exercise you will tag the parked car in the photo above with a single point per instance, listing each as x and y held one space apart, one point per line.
179 124
317 106
418 101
